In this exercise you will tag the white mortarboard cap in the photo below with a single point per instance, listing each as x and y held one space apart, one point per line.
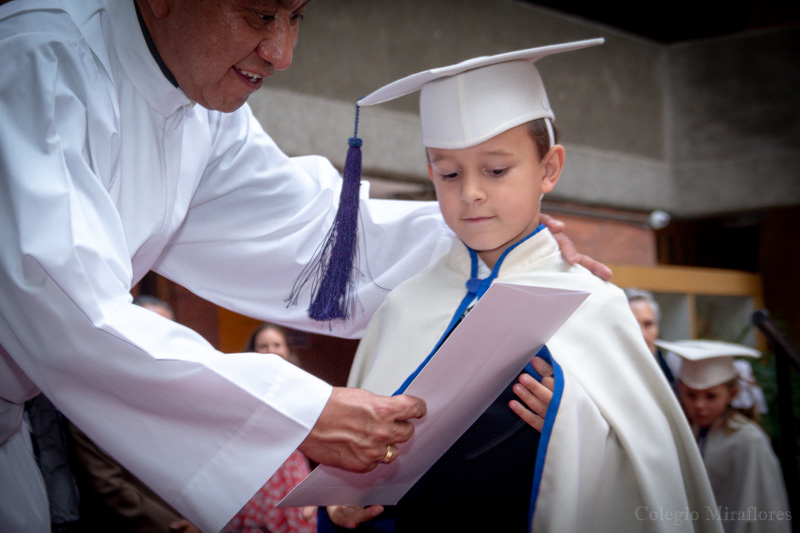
470 102
707 363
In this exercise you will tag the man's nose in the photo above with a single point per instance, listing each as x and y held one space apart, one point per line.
277 48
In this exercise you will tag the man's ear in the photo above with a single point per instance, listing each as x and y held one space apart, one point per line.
159 8
553 163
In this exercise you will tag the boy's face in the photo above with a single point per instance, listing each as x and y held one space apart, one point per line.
489 194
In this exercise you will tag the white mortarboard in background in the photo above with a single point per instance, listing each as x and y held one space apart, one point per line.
465 104
707 363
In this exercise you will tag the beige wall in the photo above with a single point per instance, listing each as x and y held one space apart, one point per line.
695 129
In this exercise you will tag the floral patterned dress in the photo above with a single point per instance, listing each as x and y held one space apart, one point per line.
260 513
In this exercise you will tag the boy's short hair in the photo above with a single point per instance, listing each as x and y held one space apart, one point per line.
541 136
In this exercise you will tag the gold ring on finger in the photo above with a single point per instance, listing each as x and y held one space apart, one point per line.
391 451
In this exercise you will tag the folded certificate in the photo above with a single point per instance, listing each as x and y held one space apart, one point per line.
482 355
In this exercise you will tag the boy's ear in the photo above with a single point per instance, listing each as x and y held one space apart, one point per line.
553 163
430 172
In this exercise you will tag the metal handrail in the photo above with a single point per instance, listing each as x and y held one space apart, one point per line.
777 339
785 357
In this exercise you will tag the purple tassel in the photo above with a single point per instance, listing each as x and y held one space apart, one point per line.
331 272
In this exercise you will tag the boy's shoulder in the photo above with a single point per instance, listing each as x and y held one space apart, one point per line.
537 261
540 260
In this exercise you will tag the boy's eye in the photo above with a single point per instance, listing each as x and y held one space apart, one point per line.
498 171
445 175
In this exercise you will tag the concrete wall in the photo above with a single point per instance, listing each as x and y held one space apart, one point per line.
735 105
695 129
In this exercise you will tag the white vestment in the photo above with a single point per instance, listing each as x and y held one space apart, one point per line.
617 451
746 479
108 171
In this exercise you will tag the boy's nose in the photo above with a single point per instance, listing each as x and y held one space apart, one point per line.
472 189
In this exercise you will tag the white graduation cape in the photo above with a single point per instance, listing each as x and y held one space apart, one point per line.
620 455
746 479
107 171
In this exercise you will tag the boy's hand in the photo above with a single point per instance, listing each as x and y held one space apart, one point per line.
536 396
183 526
569 252
350 516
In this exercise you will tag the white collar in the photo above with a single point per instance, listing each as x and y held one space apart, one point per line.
128 42
522 258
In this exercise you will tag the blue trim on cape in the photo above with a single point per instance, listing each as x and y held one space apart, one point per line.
547 428
476 288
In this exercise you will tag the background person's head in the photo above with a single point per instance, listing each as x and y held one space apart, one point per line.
154 304
704 406
647 313
270 338
708 379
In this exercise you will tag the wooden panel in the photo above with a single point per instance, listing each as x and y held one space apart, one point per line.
234 330
718 302
689 280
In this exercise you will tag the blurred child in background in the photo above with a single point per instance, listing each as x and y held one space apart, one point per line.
744 472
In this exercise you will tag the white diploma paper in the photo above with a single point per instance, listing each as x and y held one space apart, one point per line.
482 355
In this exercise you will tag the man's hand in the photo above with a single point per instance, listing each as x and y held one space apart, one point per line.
569 252
356 428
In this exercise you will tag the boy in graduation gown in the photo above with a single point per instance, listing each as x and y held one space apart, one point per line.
615 452
744 472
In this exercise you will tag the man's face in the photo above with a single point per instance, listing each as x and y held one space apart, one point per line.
647 321
220 51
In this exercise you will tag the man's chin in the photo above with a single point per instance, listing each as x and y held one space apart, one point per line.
226 106
222 101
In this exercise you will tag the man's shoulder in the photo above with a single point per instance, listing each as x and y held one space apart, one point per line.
46 39
38 21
